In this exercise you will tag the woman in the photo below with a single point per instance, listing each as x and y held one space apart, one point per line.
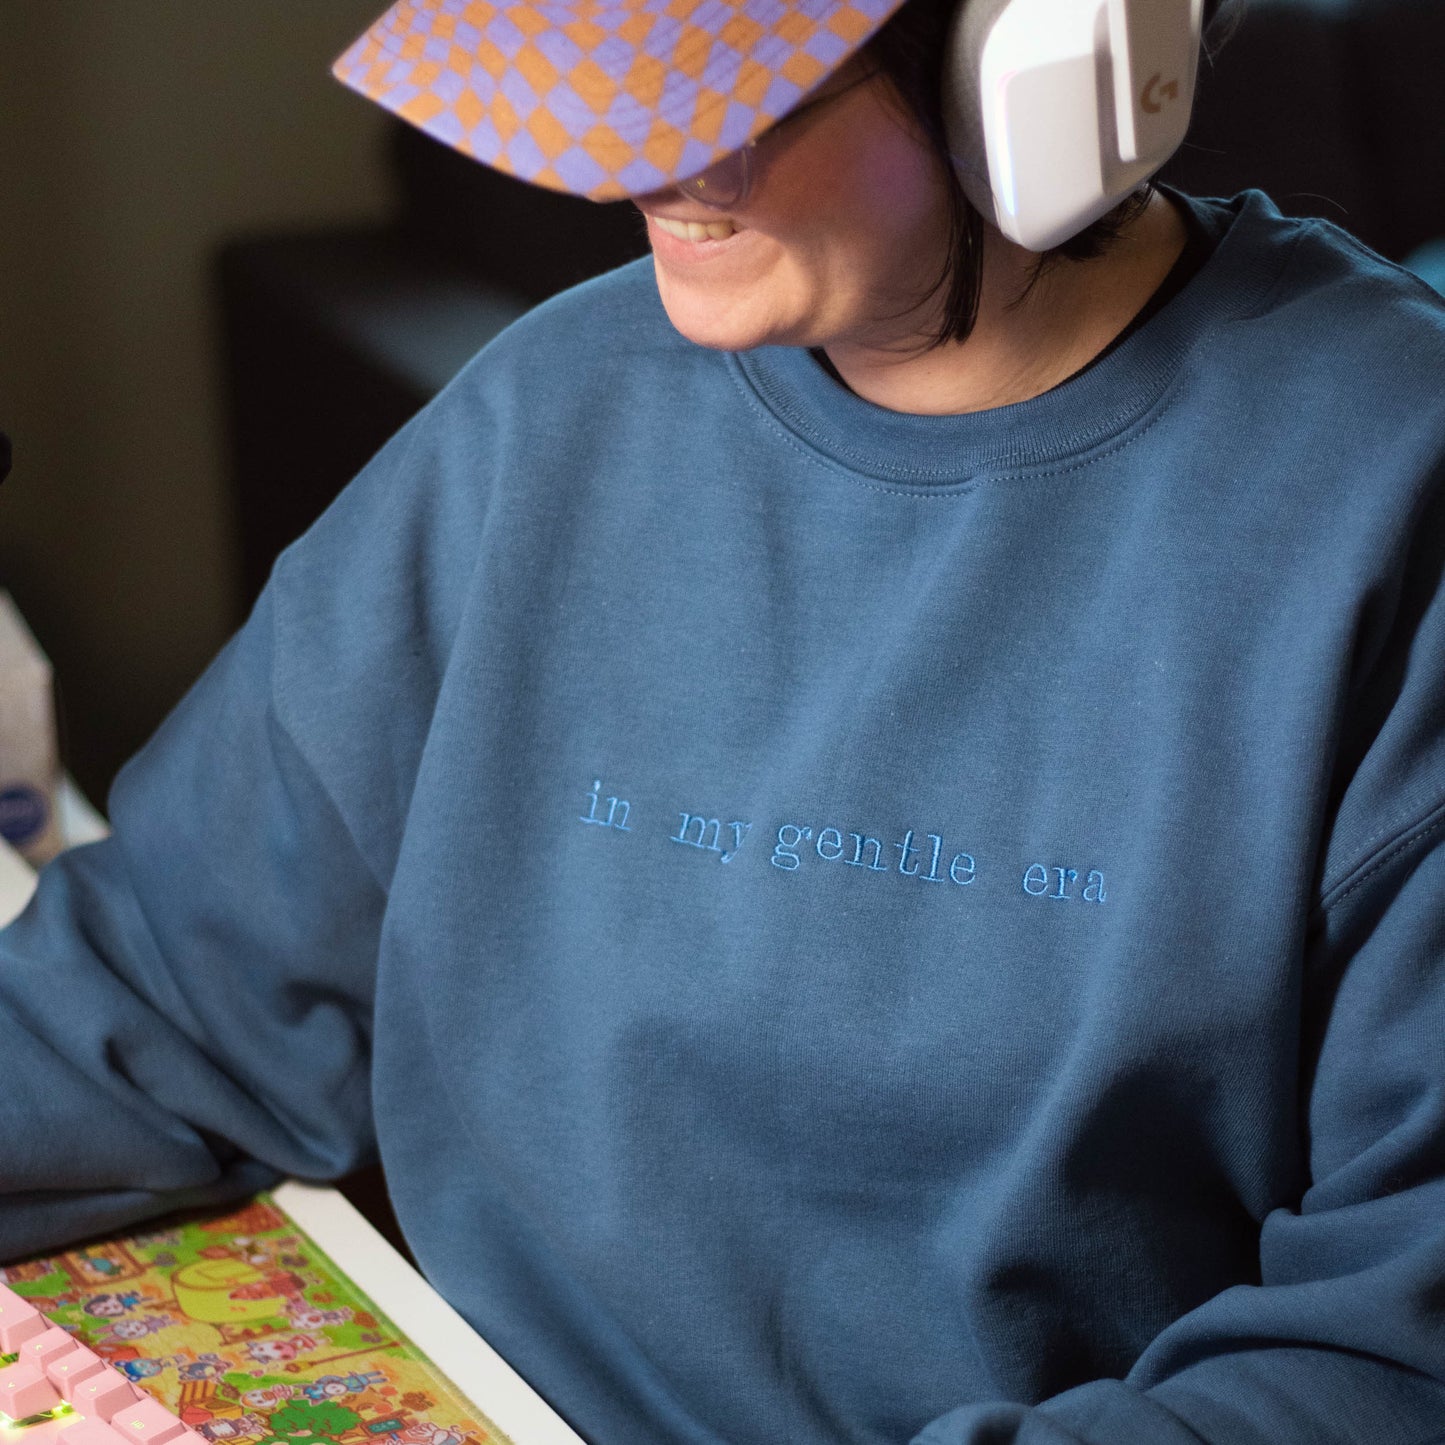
863 889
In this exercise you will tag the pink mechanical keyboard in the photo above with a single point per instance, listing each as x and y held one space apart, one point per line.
58 1392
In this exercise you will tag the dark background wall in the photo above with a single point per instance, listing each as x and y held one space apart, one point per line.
134 136
224 279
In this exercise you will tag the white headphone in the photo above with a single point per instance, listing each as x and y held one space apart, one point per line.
1057 109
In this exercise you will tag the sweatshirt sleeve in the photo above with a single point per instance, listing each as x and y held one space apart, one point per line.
1342 1340
186 1007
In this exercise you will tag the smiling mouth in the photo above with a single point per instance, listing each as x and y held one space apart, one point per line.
695 230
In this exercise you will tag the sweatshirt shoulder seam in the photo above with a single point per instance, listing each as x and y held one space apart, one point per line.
1398 840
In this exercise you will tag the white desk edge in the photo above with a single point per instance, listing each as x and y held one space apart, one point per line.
421 1314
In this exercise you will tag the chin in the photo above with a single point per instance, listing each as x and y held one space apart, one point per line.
709 320
719 335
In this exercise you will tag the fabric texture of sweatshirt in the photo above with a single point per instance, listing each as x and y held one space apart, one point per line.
842 926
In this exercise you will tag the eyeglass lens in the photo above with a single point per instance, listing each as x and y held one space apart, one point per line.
727 181
724 183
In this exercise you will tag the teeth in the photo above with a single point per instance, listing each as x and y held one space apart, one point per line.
695 230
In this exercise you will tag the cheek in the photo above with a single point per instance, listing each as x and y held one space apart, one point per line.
874 202
880 255
906 192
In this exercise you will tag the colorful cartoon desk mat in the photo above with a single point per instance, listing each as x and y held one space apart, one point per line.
246 1329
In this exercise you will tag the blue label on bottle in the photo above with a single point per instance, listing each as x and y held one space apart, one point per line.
23 814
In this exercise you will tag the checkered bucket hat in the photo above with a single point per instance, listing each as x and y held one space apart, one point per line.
603 98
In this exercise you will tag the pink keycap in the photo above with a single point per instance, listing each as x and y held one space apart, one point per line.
19 1320
47 1432
68 1371
90 1432
48 1346
100 1395
24 1390
9 1297
147 1422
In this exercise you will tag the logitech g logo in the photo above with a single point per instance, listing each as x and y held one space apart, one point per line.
1156 93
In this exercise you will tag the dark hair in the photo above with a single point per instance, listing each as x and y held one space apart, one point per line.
910 50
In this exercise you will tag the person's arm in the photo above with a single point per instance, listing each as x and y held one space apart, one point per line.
1341 1339
190 997
186 1007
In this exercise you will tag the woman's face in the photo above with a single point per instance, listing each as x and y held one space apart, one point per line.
843 233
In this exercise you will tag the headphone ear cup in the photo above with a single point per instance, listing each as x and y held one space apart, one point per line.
973 22
1056 110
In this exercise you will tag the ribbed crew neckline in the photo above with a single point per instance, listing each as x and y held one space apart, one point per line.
1073 417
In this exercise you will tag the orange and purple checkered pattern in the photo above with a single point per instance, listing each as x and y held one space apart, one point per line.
603 99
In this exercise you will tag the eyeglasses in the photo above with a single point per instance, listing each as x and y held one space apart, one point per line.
728 182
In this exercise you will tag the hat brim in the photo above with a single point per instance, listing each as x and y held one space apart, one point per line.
603 100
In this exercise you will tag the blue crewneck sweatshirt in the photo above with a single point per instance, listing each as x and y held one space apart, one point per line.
842 926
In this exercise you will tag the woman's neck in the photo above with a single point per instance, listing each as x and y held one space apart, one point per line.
1019 350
